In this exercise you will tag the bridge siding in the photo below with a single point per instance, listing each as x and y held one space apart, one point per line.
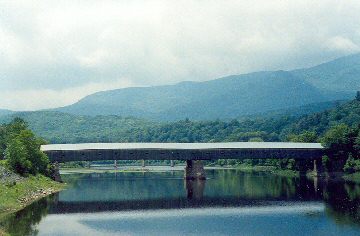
181 154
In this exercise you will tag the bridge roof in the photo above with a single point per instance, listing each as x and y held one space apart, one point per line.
183 146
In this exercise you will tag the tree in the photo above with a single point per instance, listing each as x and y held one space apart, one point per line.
23 149
339 144
256 139
2 141
15 127
336 136
17 157
305 137
38 159
357 144
349 166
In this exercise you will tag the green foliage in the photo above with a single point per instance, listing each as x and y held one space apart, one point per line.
290 164
305 137
357 144
256 139
23 149
337 135
348 113
350 164
342 148
38 159
18 158
326 162
10 195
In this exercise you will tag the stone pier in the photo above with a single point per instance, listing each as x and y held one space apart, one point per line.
143 163
194 170
172 164
55 172
318 169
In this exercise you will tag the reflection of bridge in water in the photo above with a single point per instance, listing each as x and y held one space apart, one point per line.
194 195
192 153
87 207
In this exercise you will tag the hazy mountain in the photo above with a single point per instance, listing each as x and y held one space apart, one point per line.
4 112
342 74
229 97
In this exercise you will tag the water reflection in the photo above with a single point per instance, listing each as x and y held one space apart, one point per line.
195 189
128 192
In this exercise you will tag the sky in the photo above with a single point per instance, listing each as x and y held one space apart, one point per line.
53 53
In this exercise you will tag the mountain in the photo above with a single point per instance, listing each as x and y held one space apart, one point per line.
4 112
228 97
340 75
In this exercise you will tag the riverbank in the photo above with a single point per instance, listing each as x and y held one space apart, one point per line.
269 169
110 169
355 177
18 192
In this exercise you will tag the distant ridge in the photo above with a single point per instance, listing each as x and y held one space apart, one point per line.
4 112
229 97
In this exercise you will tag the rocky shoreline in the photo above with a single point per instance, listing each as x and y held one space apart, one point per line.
36 195
17 192
7 176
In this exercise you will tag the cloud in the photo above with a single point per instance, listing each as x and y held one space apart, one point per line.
342 44
40 98
49 47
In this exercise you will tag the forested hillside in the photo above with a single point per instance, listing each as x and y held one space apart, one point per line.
348 113
5 112
58 127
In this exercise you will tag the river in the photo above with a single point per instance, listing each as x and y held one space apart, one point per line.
229 202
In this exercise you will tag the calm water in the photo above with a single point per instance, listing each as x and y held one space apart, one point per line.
230 202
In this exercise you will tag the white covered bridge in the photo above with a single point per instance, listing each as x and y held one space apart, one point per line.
190 152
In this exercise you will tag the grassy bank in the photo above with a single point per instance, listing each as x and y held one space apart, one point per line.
17 193
15 196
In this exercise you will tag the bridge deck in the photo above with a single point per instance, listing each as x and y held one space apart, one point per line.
180 151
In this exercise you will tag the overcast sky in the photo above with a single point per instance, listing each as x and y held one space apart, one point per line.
52 54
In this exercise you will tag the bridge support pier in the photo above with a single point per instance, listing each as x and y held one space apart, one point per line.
55 172
143 163
318 168
194 170
172 164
